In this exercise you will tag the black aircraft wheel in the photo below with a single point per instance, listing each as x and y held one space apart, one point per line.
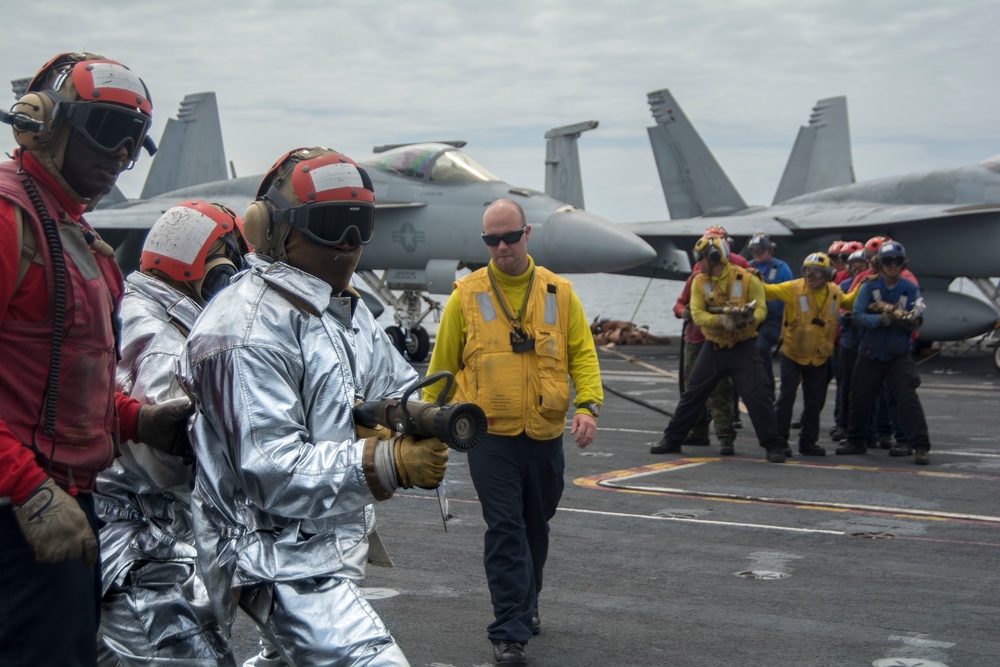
996 357
418 344
398 340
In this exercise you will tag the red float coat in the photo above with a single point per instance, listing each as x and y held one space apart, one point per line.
88 411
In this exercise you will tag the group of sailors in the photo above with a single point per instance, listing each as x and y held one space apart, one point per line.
852 316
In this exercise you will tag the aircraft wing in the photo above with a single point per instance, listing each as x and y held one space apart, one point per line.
812 219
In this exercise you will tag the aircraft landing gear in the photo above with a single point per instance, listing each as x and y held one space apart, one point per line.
418 343
414 343
409 310
398 339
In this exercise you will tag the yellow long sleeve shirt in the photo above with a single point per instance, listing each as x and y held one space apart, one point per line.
449 346
810 322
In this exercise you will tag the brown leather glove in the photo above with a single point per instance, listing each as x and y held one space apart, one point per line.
421 463
378 431
55 526
163 426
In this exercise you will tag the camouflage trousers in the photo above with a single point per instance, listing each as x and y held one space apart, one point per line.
719 407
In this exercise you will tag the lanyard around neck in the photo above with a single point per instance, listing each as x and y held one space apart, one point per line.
515 322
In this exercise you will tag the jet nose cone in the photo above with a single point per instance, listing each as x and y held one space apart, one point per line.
575 241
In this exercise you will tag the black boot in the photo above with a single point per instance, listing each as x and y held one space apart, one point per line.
811 449
665 447
776 455
509 653
696 440
849 448
901 450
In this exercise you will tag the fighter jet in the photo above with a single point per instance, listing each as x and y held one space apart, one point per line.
430 199
948 220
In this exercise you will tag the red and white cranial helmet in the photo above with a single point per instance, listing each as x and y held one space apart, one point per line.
178 243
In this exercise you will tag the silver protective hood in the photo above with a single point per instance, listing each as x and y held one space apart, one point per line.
145 498
275 367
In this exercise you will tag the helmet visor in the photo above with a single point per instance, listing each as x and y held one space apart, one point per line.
331 223
108 127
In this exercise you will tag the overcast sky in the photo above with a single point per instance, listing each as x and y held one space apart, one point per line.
921 78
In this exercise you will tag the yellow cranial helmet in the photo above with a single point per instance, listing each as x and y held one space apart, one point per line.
821 261
713 248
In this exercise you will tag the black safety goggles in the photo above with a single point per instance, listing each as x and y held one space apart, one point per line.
331 223
108 127
894 260
510 238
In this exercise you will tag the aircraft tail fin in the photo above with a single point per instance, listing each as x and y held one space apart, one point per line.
191 150
563 178
821 156
693 182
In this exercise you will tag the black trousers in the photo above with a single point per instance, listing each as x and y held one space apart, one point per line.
814 380
743 364
49 612
900 374
519 482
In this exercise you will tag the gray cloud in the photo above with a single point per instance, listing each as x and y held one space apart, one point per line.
919 77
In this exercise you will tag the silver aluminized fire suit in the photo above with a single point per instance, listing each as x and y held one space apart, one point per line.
282 510
155 610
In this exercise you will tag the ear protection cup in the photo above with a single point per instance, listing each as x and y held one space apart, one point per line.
257 226
38 106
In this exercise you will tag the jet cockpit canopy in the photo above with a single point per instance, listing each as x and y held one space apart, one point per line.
432 162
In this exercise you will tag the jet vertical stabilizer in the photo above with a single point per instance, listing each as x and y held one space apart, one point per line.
191 151
821 156
693 182
563 178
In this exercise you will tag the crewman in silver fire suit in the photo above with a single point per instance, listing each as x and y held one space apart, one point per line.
282 499
155 609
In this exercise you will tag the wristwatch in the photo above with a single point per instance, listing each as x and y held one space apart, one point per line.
592 408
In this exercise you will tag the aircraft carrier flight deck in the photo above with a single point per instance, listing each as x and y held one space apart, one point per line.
698 560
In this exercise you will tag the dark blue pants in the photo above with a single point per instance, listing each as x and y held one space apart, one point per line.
49 612
768 335
848 361
519 482
814 380
901 376
742 363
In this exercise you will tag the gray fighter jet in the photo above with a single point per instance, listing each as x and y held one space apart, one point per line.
948 220
430 199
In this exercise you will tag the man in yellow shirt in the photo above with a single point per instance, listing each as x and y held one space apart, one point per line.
728 303
513 333
812 304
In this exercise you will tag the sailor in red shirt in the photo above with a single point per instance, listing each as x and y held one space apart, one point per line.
80 124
